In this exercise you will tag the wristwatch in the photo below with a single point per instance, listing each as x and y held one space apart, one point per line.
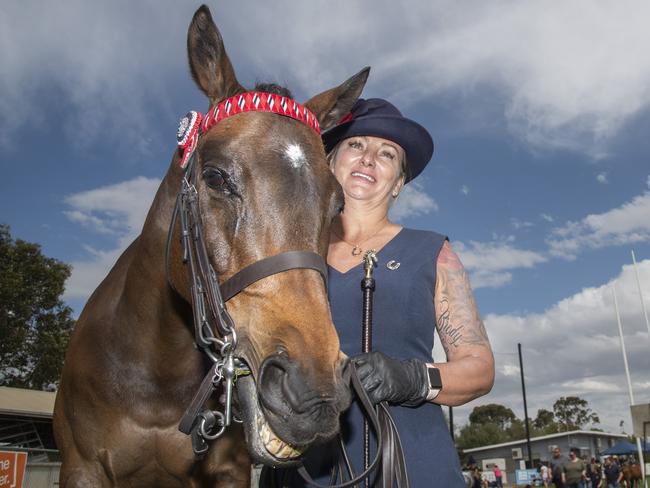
435 383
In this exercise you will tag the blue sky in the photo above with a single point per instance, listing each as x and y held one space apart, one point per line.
541 173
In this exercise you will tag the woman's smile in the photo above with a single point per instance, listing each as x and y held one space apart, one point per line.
363 176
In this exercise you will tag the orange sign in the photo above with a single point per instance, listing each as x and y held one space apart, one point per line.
12 469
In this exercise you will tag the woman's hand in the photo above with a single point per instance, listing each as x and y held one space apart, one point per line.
391 380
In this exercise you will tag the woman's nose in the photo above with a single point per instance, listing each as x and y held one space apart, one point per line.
367 159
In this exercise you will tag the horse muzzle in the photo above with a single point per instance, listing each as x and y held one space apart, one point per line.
284 413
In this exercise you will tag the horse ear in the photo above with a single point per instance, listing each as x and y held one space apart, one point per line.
209 63
332 105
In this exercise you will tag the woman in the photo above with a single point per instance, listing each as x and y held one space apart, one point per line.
543 469
420 283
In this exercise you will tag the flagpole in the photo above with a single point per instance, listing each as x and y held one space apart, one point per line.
629 382
638 284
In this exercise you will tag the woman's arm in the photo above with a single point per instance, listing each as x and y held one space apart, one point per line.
469 370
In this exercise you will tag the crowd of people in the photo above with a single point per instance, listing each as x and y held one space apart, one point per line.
577 473
560 472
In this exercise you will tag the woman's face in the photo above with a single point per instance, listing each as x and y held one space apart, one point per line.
369 168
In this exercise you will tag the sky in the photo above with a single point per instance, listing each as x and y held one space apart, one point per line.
540 176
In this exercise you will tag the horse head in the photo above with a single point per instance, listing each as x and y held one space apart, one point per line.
264 188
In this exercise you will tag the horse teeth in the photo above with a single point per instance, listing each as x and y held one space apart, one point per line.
273 444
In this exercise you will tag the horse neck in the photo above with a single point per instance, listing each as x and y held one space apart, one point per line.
158 309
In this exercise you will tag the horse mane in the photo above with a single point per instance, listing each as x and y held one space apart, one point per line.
273 88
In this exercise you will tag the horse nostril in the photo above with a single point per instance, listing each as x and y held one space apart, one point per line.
279 362
274 392
285 388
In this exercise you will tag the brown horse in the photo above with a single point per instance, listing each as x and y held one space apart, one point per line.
132 367
632 476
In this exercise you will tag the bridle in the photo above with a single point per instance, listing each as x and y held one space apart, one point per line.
214 331
208 297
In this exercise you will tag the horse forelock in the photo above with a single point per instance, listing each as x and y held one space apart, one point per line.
273 88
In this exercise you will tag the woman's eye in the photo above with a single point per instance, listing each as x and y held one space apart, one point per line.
388 155
355 144
215 179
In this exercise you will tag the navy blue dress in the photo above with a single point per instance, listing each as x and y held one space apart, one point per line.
403 328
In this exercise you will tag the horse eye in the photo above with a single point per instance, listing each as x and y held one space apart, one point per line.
215 179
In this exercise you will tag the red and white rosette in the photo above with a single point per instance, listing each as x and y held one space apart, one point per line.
187 135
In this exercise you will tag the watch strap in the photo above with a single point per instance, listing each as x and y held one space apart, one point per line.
435 382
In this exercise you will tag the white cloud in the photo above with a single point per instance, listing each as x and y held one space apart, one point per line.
110 69
602 178
489 264
546 65
592 385
626 224
464 190
117 210
412 201
546 217
509 370
520 224
563 77
573 348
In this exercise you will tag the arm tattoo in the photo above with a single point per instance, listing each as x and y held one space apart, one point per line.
458 320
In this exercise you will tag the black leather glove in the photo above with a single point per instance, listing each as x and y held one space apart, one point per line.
387 379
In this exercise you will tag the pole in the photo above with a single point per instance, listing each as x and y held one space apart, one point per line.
523 389
638 284
629 382
451 422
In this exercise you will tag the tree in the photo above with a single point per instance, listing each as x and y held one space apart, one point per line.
490 424
545 422
478 435
35 324
573 413
493 413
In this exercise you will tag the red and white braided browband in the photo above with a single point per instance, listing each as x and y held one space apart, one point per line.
188 130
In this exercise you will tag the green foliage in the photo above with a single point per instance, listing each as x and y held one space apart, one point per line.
490 424
493 413
476 435
573 413
545 423
494 423
35 324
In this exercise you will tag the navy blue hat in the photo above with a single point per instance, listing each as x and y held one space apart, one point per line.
379 118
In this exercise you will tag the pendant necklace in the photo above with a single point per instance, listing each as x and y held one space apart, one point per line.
356 248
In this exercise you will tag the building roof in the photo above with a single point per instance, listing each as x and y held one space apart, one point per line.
545 437
18 401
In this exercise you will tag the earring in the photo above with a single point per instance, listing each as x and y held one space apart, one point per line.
395 193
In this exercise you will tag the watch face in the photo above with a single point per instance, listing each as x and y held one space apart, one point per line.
435 382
